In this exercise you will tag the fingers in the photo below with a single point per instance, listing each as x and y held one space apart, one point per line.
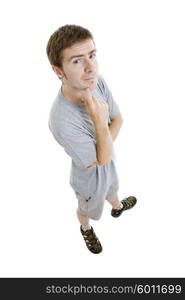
86 96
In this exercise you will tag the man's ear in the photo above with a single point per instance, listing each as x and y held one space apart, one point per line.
58 71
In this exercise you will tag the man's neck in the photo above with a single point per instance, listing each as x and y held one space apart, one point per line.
71 95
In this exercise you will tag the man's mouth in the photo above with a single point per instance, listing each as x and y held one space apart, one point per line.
91 78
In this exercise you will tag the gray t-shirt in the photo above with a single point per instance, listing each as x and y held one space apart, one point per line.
74 130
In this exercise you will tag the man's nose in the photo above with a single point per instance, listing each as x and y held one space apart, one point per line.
89 65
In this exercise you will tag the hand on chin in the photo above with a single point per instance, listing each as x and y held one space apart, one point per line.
91 85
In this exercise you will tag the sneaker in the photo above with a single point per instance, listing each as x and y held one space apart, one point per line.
128 203
91 240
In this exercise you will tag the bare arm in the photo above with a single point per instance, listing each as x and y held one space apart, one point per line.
104 144
99 113
115 126
103 139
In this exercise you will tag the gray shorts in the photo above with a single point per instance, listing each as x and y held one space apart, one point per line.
93 205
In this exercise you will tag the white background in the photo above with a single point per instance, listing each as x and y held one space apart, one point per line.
141 50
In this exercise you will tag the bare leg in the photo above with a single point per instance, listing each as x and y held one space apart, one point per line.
114 201
84 220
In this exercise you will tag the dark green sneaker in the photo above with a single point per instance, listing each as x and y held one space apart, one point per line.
128 203
91 240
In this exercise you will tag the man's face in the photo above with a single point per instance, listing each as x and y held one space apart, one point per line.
79 66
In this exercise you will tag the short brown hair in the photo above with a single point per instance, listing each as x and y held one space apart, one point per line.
63 38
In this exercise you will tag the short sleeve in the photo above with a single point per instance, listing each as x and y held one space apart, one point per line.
80 146
113 106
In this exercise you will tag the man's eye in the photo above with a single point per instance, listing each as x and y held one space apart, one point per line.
76 61
93 55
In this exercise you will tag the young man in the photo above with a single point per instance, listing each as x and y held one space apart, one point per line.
85 120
